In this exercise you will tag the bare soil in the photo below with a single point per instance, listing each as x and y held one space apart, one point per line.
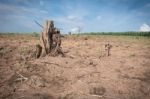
86 72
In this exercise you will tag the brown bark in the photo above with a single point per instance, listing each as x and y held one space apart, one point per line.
50 41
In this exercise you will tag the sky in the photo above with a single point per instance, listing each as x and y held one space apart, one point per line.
75 15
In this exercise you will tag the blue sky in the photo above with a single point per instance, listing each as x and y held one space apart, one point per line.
72 15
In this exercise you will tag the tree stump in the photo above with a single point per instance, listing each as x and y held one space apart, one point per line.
50 41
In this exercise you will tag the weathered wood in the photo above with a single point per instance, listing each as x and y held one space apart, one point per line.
50 40
38 50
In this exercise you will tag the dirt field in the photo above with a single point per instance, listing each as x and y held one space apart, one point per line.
86 72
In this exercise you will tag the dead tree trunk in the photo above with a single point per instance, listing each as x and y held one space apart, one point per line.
50 41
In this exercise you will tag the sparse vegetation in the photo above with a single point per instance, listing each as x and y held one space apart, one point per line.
34 34
132 55
86 71
147 34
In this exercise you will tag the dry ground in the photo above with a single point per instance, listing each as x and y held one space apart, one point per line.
84 73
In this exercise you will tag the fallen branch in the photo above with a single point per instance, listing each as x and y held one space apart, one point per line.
104 96
21 78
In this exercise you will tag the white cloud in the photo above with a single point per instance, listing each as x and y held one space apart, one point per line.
12 9
73 17
145 28
76 30
98 17
20 16
72 23
63 20
22 1
44 11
